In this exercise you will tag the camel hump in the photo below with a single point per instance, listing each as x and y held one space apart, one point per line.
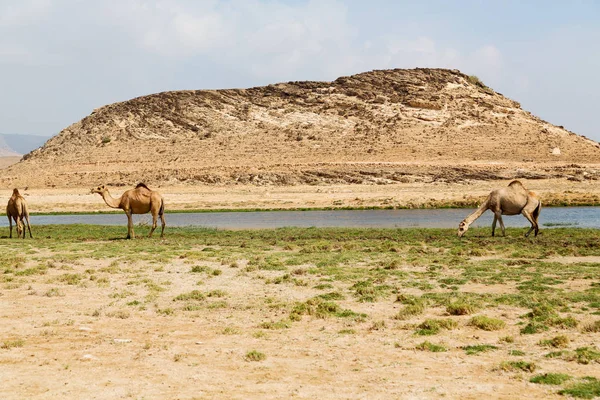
515 183
142 185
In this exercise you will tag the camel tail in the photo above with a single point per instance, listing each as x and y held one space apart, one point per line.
536 212
162 207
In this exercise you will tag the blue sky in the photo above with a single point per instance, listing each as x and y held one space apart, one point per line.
60 59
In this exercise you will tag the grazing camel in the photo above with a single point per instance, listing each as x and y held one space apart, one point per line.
511 200
17 210
136 201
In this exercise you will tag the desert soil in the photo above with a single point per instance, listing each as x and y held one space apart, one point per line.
76 323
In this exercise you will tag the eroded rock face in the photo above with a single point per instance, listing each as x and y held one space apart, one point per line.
356 129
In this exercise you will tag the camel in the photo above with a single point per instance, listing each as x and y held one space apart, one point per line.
17 210
511 200
136 201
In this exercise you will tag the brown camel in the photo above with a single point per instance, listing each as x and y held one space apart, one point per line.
136 201
511 200
17 210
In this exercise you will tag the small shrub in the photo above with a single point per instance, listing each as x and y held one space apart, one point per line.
487 323
193 295
479 348
255 355
550 379
511 366
54 292
121 314
332 296
586 355
434 348
588 389
283 324
433 326
461 308
560 341
377 326
410 310
534 327
592 328
506 339
9 344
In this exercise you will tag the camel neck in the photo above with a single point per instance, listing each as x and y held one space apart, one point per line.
476 214
109 200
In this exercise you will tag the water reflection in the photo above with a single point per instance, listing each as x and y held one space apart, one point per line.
582 217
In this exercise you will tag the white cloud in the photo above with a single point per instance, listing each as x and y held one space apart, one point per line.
22 12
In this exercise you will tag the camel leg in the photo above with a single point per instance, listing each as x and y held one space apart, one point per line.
28 226
530 213
10 224
499 216
154 219
20 230
494 224
534 224
130 233
163 223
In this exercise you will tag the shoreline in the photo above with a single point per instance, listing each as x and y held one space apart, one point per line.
248 198
255 210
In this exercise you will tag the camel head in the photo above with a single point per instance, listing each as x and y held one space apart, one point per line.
99 189
462 228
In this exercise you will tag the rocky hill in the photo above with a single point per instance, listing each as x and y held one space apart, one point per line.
375 127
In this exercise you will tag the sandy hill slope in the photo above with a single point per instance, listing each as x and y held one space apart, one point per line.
375 127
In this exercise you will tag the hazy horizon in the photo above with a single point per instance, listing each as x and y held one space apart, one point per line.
60 59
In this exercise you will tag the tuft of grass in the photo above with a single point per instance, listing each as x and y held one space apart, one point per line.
377 326
560 341
121 314
593 327
410 310
506 339
461 308
367 292
320 308
512 366
478 348
516 353
428 346
550 379
487 323
588 389
434 326
254 355
10 344
53 292
283 324
586 355
534 327
193 295
332 296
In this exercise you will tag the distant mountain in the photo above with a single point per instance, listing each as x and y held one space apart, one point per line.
12 145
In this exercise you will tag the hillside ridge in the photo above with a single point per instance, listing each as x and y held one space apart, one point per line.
382 126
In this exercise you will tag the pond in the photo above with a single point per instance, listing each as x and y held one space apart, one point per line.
581 217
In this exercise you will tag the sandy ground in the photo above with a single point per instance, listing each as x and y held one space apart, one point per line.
89 341
285 197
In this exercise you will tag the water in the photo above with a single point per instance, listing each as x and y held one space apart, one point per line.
581 217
